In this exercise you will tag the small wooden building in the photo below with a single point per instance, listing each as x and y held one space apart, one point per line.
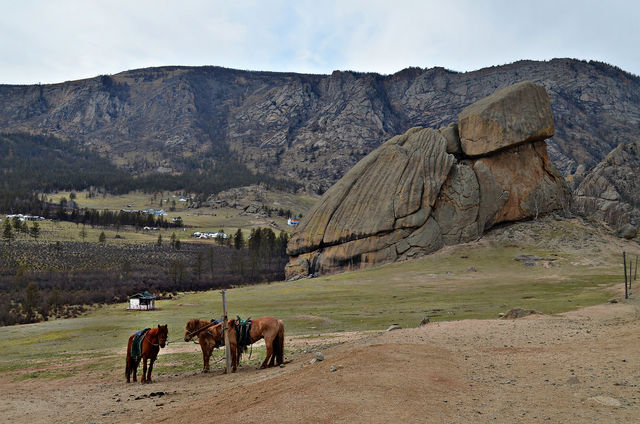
144 301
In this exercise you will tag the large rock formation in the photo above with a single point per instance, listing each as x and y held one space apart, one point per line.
425 189
610 191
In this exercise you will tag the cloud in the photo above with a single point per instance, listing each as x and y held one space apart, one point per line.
70 39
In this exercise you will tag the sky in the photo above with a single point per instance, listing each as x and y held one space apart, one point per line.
54 41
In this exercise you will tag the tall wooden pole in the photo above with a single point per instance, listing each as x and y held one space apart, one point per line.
624 259
630 274
225 331
635 276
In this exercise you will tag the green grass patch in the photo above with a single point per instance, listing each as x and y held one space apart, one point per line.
457 283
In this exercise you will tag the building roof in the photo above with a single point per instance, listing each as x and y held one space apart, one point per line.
144 295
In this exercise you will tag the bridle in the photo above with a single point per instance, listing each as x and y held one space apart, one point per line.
158 338
195 332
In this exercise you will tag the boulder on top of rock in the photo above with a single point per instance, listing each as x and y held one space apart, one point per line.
514 115
419 191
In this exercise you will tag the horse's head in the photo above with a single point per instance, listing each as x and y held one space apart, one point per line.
190 329
163 333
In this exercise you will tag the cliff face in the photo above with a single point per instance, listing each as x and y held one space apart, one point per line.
312 128
610 192
428 188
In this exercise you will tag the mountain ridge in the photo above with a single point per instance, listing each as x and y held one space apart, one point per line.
309 127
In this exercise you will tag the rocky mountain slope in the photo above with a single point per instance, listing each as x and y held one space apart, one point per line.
429 188
311 128
610 192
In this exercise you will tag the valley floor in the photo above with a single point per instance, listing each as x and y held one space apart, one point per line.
581 366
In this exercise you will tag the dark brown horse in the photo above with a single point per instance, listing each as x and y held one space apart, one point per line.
150 345
209 336
269 328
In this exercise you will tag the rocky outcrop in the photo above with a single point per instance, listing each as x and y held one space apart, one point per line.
419 191
610 191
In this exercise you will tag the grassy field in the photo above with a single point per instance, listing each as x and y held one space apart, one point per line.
200 219
476 280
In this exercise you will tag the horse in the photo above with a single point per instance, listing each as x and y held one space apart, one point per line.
269 328
209 336
150 345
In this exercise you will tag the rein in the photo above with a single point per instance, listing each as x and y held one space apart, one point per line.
194 332
152 343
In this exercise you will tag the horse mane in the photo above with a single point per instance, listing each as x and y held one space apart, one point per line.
196 323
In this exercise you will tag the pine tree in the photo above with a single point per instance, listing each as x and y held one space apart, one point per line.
7 233
238 239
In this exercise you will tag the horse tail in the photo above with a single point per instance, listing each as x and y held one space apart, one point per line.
127 370
278 345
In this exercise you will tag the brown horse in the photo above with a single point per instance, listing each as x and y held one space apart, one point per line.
209 336
153 340
269 328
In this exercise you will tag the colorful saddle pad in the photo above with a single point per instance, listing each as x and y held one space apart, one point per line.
136 344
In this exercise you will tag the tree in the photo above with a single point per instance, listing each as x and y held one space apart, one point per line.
210 260
220 237
31 299
7 233
176 271
102 238
197 266
159 242
238 239
83 233
35 231
126 269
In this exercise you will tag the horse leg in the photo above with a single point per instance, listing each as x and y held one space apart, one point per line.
127 370
151 361
235 356
279 346
134 367
206 354
144 370
274 347
269 344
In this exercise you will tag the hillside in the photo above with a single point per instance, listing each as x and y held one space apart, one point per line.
311 128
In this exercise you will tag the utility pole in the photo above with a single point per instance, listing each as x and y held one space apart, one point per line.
225 331
624 259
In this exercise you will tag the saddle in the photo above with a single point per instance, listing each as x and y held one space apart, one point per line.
136 344
243 330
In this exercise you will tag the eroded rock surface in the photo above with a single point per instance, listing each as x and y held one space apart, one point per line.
420 191
610 191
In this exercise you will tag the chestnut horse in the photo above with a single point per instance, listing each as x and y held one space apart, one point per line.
209 336
269 328
150 345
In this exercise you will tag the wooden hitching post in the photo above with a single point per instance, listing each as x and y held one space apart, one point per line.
624 259
225 331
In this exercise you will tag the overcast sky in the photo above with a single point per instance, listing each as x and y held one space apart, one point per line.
54 41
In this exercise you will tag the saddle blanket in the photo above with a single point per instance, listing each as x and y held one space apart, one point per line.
136 344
